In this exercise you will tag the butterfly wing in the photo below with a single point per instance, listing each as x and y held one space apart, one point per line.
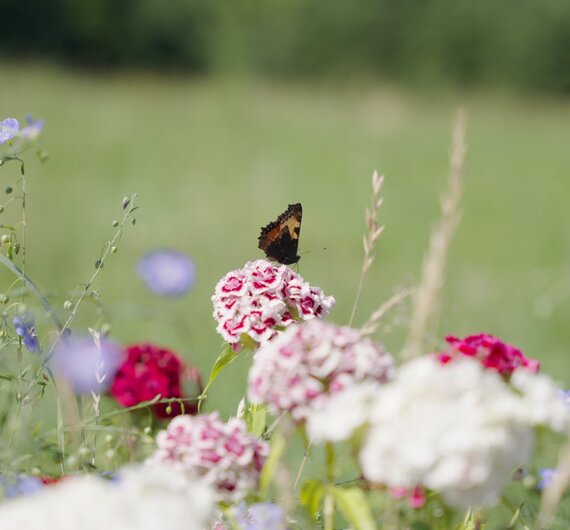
280 238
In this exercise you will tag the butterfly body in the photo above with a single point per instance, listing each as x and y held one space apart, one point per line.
280 238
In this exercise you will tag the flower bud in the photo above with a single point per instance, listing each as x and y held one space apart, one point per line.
67 305
4 299
115 223
5 239
8 190
126 202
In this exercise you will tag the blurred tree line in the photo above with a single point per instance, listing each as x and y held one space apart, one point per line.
520 43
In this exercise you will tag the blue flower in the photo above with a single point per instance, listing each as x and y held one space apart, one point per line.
547 475
260 516
167 272
33 129
24 326
565 395
21 485
8 129
86 366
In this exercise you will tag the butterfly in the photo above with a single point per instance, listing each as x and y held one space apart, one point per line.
280 238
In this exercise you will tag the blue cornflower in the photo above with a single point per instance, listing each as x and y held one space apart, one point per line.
547 475
167 272
86 366
33 129
8 129
260 516
22 485
24 326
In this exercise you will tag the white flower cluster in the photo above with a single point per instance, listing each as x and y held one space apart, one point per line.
457 429
309 362
142 498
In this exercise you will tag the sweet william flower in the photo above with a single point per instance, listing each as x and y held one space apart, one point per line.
148 371
490 351
224 455
261 299
309 362
167 272
143 498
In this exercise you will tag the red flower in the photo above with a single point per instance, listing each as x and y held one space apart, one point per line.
491 352
148 371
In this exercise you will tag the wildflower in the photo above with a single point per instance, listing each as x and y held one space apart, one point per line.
8 129
262 298
312 360
24 326
547 475
416 496
565 396
148 371
145 498
491 352
167 272
21 485
455 428
33 128
225 455
85 364
259 516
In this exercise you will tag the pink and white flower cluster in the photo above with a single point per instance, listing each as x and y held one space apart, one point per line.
310 361
224 455
490 351
262 297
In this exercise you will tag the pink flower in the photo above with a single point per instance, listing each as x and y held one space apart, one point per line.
223 454
490 351
312 360
148 371
416 496
262 298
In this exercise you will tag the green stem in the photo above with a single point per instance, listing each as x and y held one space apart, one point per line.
328 506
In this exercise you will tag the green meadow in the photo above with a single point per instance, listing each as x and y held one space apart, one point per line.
214 160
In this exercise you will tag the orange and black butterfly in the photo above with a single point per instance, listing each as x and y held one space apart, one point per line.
280 238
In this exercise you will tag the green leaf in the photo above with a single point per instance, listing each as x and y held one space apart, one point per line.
353 504
255 418
312 493
278 445
225 358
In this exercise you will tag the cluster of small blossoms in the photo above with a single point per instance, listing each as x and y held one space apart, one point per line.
308 362
10 130
490 351
148 371
262 297
225 455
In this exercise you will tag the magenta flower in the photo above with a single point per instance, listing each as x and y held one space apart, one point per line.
262 298
8 129
85 365
223 454
490 351
167 272
310 361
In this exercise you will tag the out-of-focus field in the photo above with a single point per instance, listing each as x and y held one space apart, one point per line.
214 161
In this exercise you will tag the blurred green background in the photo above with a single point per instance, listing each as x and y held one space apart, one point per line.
219 114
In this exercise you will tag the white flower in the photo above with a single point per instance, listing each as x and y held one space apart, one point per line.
334 418
457 429
543 401
142 498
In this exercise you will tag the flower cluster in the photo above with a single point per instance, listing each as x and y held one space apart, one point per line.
149 371
225 455
261 298
455 428
308 361
490 351
143 498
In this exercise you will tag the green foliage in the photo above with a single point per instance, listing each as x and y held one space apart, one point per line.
514 43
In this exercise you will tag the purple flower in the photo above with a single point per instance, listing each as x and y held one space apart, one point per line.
33 129
565 395
24 326
260 516
8 129
87 366
22 485
167 272
547 475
